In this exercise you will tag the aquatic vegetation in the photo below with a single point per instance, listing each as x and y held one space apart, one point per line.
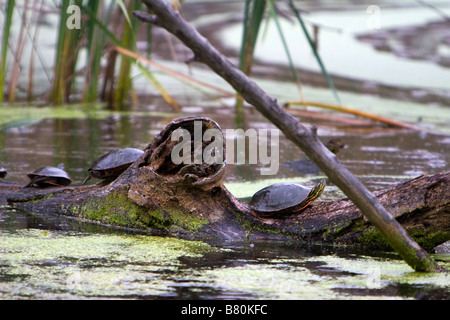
5 37
48 264
42 264
326 277
28 115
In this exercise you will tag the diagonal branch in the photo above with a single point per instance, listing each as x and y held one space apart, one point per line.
305 139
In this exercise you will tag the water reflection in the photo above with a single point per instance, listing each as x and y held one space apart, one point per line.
74 142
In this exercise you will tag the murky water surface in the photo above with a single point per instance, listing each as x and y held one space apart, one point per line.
50 257
37 263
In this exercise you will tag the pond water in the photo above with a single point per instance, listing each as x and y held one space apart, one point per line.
57 258
49 257
40 262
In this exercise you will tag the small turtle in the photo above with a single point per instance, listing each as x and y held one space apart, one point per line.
112 164
49 176
334 145
3 172
284 198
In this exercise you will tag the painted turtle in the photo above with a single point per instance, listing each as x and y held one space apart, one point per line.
3 172
283 198
49 176
112 164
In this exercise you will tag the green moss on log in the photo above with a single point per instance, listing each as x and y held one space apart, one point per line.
117 209
427 239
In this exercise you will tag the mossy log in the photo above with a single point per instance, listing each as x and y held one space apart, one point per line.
189 201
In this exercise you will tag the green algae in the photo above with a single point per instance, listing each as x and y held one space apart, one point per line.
332 277
41 264
16 116
271 281
373 272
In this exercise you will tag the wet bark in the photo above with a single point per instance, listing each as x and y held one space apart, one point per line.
158 197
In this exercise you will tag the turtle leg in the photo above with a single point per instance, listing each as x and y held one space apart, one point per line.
86 180
34 182
30 184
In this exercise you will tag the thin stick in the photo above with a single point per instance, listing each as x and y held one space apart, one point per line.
174 73
355 112
327 117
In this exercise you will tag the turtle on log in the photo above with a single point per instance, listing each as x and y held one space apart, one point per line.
110 165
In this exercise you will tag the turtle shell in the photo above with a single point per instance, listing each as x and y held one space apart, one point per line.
112 164
283 198
49 176
3 172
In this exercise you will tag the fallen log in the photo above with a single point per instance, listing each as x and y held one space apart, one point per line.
165 16
158 197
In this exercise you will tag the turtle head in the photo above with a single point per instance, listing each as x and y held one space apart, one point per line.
317 190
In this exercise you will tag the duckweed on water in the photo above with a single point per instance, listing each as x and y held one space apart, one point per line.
378 273
326 277
45 264
41 264
266 281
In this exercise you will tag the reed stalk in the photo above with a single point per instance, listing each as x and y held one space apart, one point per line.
5 39
251 26
274 14
313 47
20 46
68 47
95 43
124 81
31 66
174 73
56 94
253 16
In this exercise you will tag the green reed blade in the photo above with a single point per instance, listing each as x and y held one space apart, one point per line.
95 46
124 81
314 49
57 91
4 52
438 11
128 42
164 93
274 14
123 7
104 27
251 26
